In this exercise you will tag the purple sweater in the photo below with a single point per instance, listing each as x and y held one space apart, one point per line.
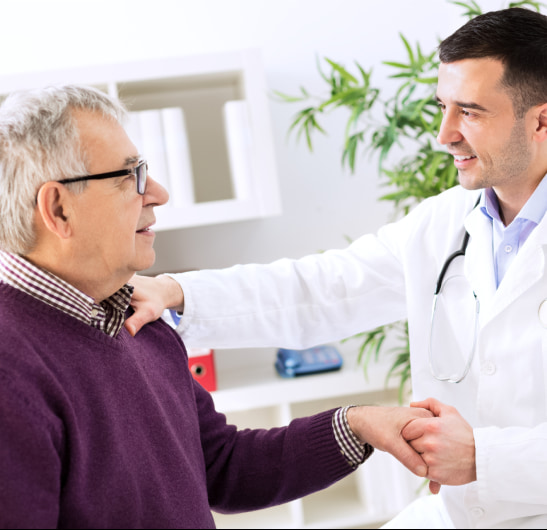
101 432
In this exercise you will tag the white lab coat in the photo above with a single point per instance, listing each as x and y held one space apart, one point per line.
392 276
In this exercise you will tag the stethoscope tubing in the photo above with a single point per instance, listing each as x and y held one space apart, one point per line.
440 279
449 260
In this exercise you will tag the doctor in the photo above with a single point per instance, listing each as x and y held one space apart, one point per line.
482 352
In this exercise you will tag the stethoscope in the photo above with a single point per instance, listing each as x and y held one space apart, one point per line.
453 378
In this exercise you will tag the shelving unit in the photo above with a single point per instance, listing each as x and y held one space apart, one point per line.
225 103
252 395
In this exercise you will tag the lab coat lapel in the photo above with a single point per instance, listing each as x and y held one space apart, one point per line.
479 262
527 269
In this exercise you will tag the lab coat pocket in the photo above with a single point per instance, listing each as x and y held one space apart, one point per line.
454 329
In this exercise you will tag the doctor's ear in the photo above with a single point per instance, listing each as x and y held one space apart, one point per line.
542 121
54 207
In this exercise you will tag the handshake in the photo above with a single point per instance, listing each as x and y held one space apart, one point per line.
431 439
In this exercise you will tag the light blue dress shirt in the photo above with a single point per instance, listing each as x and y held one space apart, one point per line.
508 240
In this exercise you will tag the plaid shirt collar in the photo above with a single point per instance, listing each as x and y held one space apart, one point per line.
108 316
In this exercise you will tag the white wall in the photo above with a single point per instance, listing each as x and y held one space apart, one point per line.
321 202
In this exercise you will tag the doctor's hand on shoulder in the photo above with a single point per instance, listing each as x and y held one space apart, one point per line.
151 297
446 444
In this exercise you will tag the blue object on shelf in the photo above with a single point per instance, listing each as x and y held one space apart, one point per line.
294 363
175 316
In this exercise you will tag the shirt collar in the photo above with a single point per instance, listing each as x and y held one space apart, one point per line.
534 209
108 316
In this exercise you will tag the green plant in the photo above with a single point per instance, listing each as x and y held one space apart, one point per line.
410 121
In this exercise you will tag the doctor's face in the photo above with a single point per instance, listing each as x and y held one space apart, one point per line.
491 147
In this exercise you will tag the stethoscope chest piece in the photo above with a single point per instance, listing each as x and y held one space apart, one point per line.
542 313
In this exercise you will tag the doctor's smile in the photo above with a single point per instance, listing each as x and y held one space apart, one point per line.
463 161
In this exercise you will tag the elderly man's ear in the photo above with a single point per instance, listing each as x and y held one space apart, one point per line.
54 208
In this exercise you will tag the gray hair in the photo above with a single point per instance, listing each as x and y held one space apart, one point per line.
39 142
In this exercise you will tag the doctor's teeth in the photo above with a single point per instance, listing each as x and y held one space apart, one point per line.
463 157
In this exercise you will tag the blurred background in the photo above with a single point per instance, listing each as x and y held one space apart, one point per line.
322 203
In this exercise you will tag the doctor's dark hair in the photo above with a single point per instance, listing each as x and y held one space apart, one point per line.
515 36
39 142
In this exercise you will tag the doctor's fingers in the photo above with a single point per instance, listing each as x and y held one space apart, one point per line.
435 406
446 464
403 452
143 314
434 487
435 472
381 426
148 301
420 427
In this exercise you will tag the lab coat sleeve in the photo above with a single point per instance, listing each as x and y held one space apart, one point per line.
297 303
511 468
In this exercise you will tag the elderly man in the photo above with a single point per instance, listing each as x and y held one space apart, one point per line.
99 428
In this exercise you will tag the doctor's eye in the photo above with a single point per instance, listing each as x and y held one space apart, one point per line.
466 113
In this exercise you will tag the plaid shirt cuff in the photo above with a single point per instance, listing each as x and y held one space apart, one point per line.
354 451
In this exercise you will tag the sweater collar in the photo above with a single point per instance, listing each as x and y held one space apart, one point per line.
107 316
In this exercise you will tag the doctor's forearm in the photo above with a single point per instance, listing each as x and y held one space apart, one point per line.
291 303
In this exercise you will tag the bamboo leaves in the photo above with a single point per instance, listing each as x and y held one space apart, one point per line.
344 91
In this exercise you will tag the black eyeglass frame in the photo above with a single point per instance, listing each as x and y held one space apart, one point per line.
140 171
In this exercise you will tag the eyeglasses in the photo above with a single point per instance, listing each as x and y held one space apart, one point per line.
140 171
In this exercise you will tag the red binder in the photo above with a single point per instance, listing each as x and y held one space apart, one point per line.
202 365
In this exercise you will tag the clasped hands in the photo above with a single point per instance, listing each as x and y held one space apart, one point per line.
430 438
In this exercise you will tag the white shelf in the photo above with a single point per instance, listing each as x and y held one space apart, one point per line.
339 506
228 140
249 376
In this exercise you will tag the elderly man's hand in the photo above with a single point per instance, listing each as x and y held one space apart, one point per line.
446 443
152 296
382 428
